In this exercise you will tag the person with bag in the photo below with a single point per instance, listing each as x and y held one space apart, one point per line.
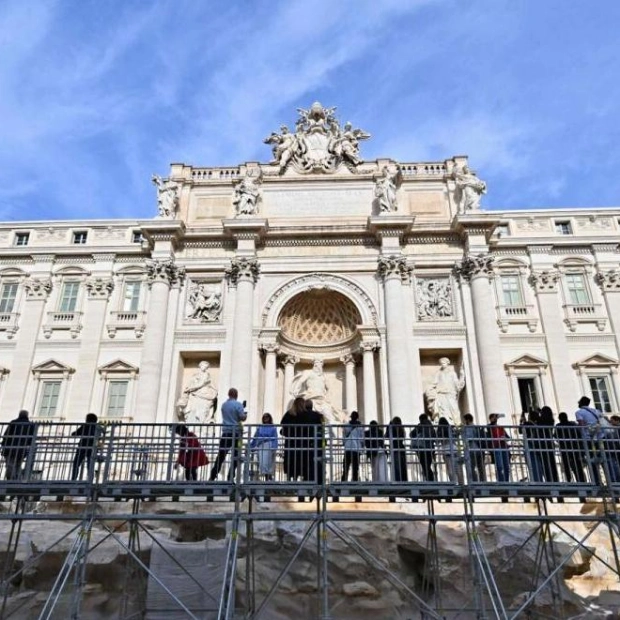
353 441
191 455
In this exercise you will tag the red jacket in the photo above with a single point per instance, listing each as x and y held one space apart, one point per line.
191 453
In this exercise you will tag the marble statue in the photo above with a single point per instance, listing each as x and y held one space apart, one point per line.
442 394
197 402
470 189
385 189
434 299
319 144
167 197
247 193
206 303
311 385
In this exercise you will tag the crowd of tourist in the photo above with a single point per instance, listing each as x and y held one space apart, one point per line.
586 449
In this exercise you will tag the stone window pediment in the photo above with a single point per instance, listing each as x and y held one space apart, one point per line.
52 366
527 361
118 367
598 360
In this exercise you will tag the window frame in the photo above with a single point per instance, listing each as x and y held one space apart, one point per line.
20 236
77 286
503 277
606 379
568 277
46 372
127 283
115 372
558 227
79 237
3 286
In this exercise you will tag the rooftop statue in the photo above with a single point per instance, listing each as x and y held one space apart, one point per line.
319 144
469 187
385 189
247 193
167 197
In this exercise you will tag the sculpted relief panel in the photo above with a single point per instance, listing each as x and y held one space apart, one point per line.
434 299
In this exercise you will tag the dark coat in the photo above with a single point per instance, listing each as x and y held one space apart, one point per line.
18 438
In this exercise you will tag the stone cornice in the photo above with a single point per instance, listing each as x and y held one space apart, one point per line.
253 229
383 226
163 230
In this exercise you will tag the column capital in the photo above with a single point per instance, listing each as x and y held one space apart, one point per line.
609 281
269 347
348 359
242 268
394 266
291 360
164 270
38 288
369 346
475 266
545 281
99 288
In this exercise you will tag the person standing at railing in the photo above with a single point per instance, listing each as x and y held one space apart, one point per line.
528 427
423 442
398 453
90 433
191 455
312 451
265 444
547 445
446 440
353 441
571 447
233 414
499 448
16 444
474 439
290 429
374 440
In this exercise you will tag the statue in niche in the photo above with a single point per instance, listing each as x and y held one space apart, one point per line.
470 189
442 394
434 299
167 197
206 302
385 189
247 193
198 401
311 385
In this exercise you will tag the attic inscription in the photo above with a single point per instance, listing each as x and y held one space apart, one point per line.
319 202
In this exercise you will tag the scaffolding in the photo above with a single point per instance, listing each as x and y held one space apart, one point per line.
455 479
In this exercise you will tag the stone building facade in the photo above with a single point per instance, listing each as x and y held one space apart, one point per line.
377 268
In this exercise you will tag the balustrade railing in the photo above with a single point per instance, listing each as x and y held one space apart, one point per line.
393 456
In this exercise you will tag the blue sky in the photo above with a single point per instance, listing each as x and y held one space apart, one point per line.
95 96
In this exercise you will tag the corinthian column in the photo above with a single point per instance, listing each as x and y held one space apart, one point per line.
99 290
350 382
609 281
289 374
243 274
394 271
370 385
161 275
477 271
37 291
269 399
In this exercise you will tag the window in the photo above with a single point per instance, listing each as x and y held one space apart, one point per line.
577 289
503 230
511 290
8 294
136 236
22 238
117 395
563 228
131 296
79 237
48 404
599 387
69 296
528 394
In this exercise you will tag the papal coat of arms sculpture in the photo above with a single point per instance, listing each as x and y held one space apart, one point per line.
319 143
